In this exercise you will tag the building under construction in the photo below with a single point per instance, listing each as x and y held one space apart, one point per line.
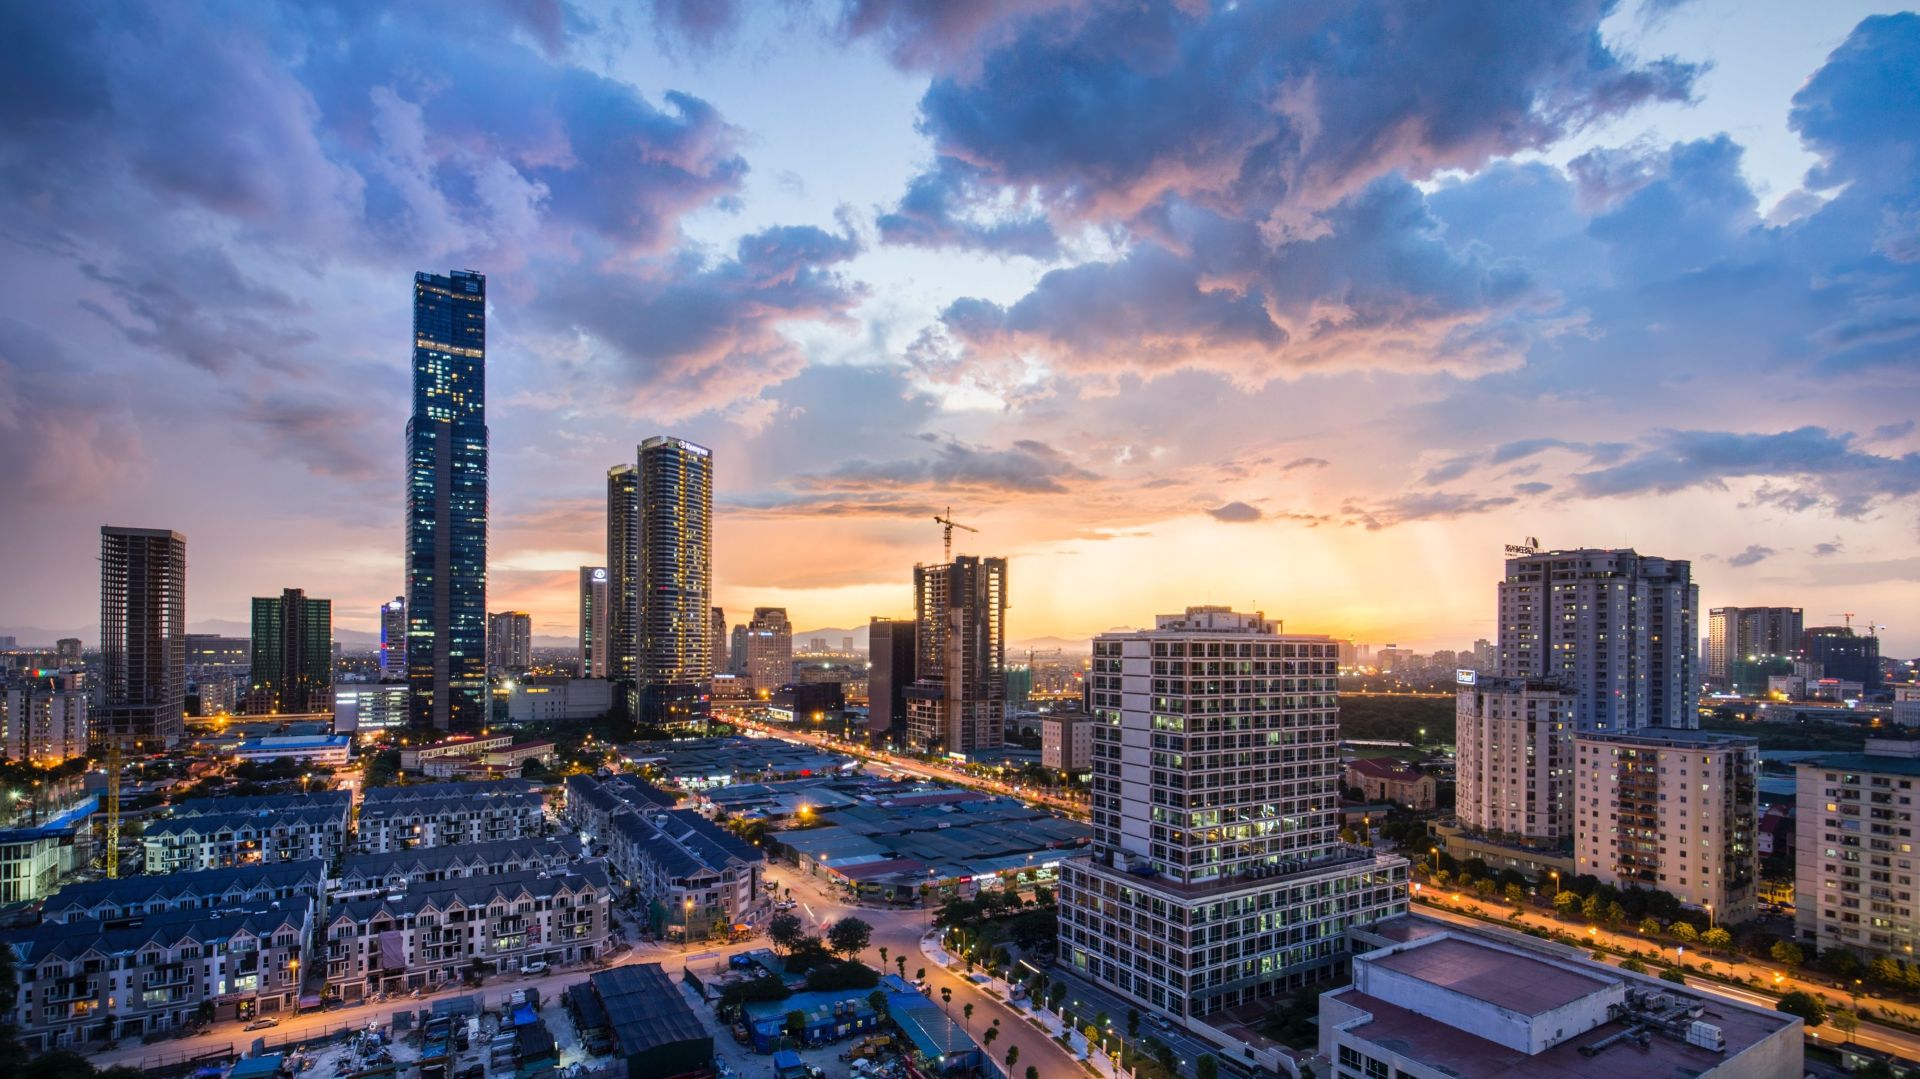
958 699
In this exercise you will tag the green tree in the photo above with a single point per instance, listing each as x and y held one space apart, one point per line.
1515 894
797 1023
1845 1022
1716 939
1684 933
1673 974
1788 954
1650 926
946 999
1033 1072
1012 1058
883 957
1633 964
1056 994
1841 963
784 931
849 937
1565 904
1206 1067
900 962
1592 909
1616 915
1441 878
1808 1007
987 1039
1133 1023
966 1014
1484 888
877 1000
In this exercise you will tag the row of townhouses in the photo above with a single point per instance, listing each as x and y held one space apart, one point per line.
129 957
691 877
436 933
90 981
364 874
445 814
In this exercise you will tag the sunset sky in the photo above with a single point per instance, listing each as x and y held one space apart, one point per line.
1305 306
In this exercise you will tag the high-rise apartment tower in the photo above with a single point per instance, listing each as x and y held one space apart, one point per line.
1216 878
1615 627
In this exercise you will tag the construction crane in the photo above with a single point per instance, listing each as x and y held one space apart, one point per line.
113 809
947 525
1848 617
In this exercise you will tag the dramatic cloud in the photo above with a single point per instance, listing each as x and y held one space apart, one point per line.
1754 553
1027 467
1263 181
1234 513
1825 468
685 335
948 207
1427 506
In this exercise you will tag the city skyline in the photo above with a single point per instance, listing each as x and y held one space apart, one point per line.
1648 298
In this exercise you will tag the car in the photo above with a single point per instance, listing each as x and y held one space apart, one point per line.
534 966
263 1024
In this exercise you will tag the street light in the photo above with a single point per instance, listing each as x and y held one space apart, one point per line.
1435 851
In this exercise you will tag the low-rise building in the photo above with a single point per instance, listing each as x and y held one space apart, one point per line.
89 982
436 933
219 833
1453 1003
1066 741
334 750
1674 810
442 814
1853 852
645 1020
556 700
1384 779
34 857
240 888
506 762
415 758
370 706
366 874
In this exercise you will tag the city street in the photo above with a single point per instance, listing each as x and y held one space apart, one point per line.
1871 1034
923 769
900 931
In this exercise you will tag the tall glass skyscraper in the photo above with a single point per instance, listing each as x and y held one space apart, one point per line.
673 663
447 503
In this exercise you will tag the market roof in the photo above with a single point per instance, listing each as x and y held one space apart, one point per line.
644 1008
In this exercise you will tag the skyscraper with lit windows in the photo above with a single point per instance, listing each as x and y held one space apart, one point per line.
673 656
446 549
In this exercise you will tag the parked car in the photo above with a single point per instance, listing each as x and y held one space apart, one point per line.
534 966
263 1024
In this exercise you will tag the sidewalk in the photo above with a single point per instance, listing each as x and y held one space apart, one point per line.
1025 1009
